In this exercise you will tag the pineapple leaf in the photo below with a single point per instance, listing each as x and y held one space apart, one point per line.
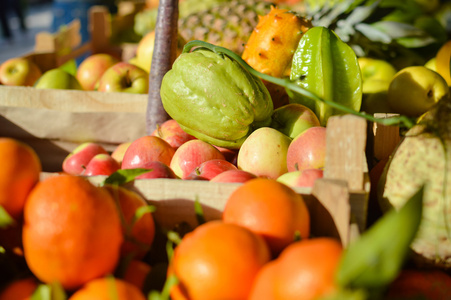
330 15
416 42
398 30
373 33
361 13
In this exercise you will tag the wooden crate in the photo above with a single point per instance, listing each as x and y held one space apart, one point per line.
104 27
337 203
55 121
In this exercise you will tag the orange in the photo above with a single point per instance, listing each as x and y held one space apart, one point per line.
443 58
19 172
431 284
271 209
136 273
108 288
19 289
304 270
217 260
139 234
72 231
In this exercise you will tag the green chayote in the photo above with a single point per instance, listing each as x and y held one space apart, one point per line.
327 67
214 98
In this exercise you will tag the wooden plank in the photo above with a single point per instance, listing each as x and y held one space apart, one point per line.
327 202
61 42
99 28
345 152
333 196
385 139
72 100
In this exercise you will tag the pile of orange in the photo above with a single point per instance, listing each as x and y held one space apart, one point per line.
80 235
70 231
254 251
94 242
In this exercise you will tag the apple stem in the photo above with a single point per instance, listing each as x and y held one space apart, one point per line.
164 54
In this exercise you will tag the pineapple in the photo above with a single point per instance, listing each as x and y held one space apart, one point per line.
271 46
228 25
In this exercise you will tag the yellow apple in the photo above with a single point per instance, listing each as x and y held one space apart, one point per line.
443 61
415 89
374 70
144 52
92 68
431 64
19 71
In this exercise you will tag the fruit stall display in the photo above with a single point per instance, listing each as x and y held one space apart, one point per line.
246 150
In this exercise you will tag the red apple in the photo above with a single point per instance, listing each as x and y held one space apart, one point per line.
264 153
158 170
101 164
229 154
124 77
146 149
92 68
191 155
119 152
211 168
76 161
19 71
307 150
171 132
238 176
292 119
305 178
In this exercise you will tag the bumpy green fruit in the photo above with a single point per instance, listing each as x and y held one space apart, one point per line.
215 99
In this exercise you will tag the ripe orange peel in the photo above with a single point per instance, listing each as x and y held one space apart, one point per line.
291 87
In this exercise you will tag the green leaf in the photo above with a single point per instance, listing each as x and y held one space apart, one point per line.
70 67
5 219
112 287
124 176
405 11
51 291
375 259
346 294
141 211
200 217
327 67
373 34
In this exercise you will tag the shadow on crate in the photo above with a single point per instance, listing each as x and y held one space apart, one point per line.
50 154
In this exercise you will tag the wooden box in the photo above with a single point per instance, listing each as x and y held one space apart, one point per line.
54 121
337 203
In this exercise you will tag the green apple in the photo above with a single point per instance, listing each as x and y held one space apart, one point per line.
374 70
264 153
375 100
58 79
432 64
19 71
292 119
415 89
124 77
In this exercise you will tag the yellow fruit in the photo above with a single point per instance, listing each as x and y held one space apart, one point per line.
443 59
414 90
